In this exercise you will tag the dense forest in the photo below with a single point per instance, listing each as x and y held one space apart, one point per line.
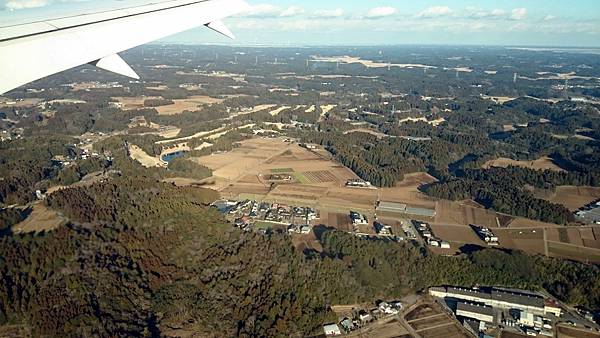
155 257
506 190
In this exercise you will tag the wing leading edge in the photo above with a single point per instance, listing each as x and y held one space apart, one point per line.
32 51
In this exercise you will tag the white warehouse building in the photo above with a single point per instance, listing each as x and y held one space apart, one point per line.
503 299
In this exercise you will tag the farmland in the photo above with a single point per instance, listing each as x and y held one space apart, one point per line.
430 321
571 332
574 197
319 182
192 103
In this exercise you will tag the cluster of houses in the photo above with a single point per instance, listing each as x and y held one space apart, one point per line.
362 317
358 183
480 309
358 220
427 234
486 235
382 229
245 215
280 177
86 153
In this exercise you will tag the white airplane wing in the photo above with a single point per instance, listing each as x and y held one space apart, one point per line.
31 51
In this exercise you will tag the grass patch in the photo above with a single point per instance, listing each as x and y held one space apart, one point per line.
563 235
265 225
282 170
301 178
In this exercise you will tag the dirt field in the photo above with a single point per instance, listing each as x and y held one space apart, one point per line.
576 243
192 103
279 110
574 197
539 164
569 251
457 235
40 219
21 103
528 240
366 131
430 321
407 191
306 242
520 222
133 103
506 334
337 220
197 135
143 158
386 328
255 109
448 212
571 332
498 99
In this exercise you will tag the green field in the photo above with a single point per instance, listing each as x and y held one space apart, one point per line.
301 178
282 170
263 225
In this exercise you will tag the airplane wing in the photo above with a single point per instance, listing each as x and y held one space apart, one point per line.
31 51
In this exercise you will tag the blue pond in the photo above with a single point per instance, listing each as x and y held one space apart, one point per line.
171 156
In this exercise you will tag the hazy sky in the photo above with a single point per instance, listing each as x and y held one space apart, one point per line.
368 22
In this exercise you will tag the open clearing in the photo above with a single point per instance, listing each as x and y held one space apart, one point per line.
279 110
571 332
369 63
407 191
197 135
574 197
143 158
133 103
457 235
319 181
375 133
539 164
384 328
462 213
192 103
41 219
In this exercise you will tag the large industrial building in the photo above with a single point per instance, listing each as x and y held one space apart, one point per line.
499 298
401 208
480 312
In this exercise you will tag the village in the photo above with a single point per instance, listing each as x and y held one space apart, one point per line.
455 311
466 312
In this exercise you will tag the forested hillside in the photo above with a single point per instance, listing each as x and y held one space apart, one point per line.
143 258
